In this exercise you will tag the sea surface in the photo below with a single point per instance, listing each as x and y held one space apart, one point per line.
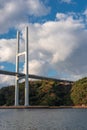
43 119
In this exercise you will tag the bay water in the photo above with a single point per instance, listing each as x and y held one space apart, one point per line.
43 119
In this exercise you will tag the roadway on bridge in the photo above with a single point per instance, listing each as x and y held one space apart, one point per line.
32 76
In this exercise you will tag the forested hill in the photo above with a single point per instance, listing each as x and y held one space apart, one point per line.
48 93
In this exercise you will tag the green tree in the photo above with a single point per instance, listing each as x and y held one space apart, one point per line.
79 92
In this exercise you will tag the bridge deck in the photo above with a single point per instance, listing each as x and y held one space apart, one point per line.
32 76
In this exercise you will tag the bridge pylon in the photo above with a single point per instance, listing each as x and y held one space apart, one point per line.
18 54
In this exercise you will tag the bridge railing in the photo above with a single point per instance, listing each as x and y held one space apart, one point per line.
33 76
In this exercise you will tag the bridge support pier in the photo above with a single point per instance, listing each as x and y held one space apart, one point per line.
26 70
16 93
17 70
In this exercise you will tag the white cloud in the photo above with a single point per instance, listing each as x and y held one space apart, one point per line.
35 67
75 17
85 12
13 13
1 67
6 80
66 1
58 45
37 8
7 50
62 16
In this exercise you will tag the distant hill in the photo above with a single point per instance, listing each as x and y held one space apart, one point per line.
79 92
40 93
49 93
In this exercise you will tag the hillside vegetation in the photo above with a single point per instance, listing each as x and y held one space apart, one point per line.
49 93
79 92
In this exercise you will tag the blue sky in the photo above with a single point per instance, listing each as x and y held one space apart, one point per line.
57 37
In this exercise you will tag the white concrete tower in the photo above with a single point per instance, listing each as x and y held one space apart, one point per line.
17 70
26 70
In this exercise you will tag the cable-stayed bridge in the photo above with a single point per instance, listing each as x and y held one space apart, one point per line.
25 75
33 76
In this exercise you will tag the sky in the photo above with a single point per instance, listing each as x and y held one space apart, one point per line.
57 37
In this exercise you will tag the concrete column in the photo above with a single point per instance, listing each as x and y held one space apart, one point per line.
26 69
17 70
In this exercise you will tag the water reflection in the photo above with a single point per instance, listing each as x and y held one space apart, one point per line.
43 119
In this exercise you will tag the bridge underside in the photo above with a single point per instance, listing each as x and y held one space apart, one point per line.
21 75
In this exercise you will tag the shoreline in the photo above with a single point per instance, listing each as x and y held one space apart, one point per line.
42 107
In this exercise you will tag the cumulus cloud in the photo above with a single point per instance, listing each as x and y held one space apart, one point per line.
54 46
60 44
6 80
13 13
35 67
7 50
61 16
